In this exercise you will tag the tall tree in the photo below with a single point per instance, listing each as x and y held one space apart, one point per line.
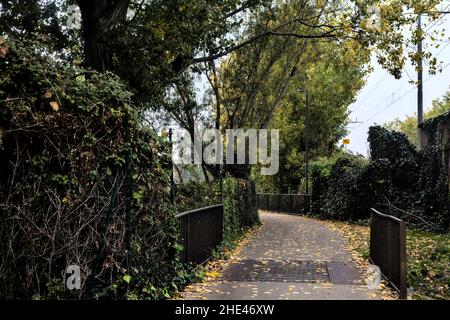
100 22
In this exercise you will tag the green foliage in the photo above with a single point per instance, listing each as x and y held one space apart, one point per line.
341 192
320 173
197 194
65 163
276 98
434 178
429 264
397 180
394 168
246 204
412 185
231 223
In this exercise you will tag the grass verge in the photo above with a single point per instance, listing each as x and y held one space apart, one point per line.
428 258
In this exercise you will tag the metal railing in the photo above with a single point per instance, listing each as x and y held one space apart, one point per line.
201 231
283 202
388 249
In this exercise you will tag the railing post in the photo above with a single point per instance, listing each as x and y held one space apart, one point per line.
201 231
388 249
188 227
403 286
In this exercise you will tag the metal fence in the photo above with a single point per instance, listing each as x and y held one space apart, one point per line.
289 203
388 249
201 231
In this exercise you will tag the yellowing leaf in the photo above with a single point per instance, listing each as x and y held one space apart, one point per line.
54 105
127 278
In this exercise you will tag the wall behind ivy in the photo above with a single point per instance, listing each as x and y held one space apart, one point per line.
398 180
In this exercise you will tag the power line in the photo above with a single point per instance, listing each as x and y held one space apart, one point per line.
392 95
396 100
443 12
393 100
374 88
383 78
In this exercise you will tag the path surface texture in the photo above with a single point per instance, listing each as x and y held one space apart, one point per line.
289 257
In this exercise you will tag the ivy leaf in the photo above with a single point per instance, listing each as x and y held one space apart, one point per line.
127 278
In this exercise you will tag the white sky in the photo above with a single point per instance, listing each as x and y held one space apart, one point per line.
384 98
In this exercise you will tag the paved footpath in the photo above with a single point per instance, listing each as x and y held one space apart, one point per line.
289 257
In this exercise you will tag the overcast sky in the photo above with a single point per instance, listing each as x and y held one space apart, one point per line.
384 98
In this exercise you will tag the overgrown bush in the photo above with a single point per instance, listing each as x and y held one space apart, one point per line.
197 194
346 196
412 185
80 183
320 173
397 180
394 167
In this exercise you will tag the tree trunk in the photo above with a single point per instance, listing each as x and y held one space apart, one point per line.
100 18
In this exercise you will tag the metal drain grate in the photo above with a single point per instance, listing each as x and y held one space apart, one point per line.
336 272
341 272
278 271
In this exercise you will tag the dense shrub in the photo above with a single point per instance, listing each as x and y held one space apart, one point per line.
80 183
393 151
398 180
347 193
412 185
197 194
320 173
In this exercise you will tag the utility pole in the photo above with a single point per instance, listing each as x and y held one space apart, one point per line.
420 79
419 83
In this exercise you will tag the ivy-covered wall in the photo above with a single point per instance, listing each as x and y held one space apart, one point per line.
434 182
398 179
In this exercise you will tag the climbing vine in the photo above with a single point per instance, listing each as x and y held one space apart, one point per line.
71 150
398 180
